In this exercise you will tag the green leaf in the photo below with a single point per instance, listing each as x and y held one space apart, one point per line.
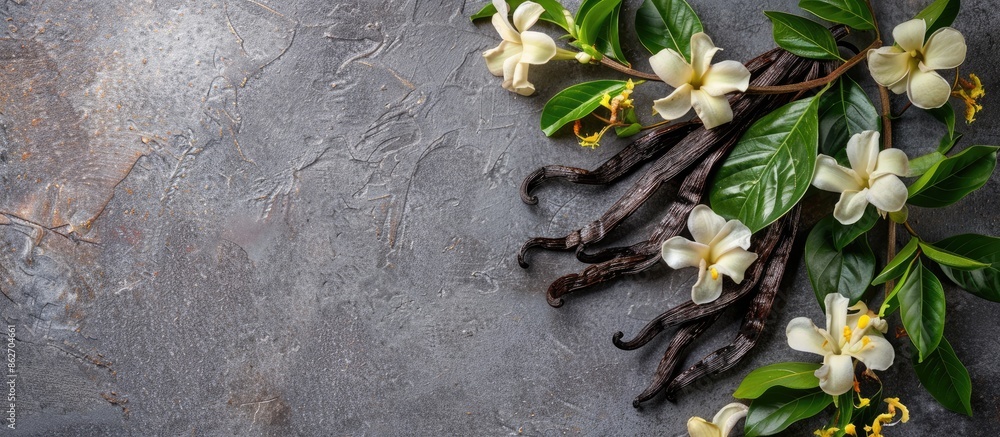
891 302
780 407
845 410
770 168
595 20
984 282
791 375
667 24
844 110
803 36
627 131
939 14
946 115
945 377
853 13
920 164
553 12
609 43
845 234
921 304
899 263
847 272
576 102
952 179
946 258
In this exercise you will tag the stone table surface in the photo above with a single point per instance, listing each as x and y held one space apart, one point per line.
250 217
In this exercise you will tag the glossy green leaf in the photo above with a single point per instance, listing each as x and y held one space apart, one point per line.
984 282
627 131
845 234
844 110
845 411
594 22
770 168
946 258
791 375
939 14
553 11
946 115
899 263
952 179
576 102
891 302
847 272
921 305
667 24
780 407
803 36
920 164
946 378
609 42
853 13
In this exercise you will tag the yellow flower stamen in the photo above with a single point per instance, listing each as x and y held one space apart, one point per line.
894 404
863 402
606 101
849 429
847 333
970 93
826 432
715 273
594 139
863 321
865 340
876 428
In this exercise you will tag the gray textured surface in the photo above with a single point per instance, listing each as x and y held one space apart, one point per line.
318 236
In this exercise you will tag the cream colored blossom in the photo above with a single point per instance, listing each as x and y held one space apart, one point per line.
908 66
698 84
721 425
873 178
846 337
719 249
520 47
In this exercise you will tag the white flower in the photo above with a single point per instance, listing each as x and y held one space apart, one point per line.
909 65
519 48
698 84
721 425
719 249
847 336
873 178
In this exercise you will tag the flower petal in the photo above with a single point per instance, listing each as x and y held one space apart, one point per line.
927 89
526 15
734 235
725 77
830 176
676 104
728 416
707 289
734 264
888 65
713 111
679 252
944 49
671 67
520 82
503 27
899 87
702 51
836 376
878 354
509 66
887 193
496 57
698 427
851 206
704 224
891 161
538 47
836 314
910 34
804 336
862 152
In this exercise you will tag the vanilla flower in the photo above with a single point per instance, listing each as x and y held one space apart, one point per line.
846 337
520 47
719 249
909 65
873 178
698 84
721 425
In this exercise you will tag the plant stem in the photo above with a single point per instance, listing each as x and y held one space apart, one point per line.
810 84
890 251
910 230
656 125
608 62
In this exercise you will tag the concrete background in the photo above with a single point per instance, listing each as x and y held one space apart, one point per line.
301 218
